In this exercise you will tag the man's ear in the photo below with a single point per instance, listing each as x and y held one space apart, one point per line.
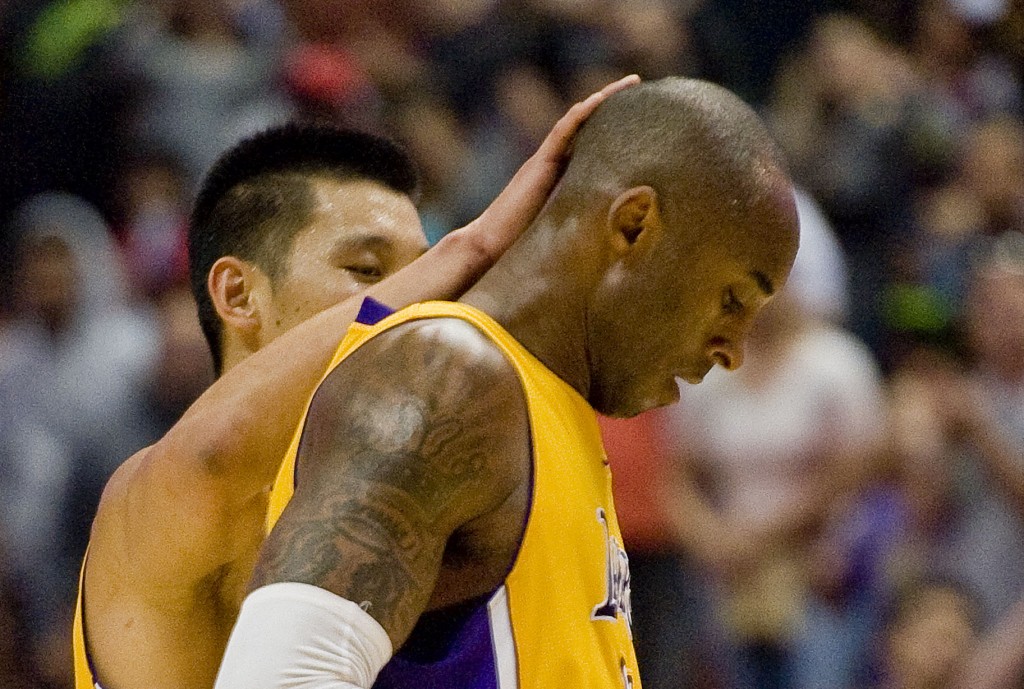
634 220
231 282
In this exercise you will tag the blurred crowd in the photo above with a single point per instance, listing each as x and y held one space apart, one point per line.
845 512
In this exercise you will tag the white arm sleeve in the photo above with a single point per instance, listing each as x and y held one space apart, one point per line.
297 636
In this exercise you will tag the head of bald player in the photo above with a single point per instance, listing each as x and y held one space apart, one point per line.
292 221
673 225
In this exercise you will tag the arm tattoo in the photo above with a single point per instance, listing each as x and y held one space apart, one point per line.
405 442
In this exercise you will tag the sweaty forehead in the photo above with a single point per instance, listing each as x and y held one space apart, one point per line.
368 209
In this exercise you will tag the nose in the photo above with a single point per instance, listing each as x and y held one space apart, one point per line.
725 353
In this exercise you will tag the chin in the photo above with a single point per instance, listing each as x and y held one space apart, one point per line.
630 405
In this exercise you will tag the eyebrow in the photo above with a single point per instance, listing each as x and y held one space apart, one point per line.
361 242
763 282
375 243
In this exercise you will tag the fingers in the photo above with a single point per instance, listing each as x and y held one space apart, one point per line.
520 201
556 144
617 86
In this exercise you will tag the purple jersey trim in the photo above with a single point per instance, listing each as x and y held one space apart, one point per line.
372 312
468 664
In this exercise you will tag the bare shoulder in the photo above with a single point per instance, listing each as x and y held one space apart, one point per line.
115 551
162 525
115 494
435 391
426 373
438 345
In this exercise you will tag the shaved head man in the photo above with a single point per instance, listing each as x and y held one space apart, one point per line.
444 517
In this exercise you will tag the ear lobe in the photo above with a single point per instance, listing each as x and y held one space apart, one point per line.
230 284
634 219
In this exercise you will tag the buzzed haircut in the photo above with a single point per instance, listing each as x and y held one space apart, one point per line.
690 140
259 195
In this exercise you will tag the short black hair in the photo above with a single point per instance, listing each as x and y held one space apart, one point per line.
258 195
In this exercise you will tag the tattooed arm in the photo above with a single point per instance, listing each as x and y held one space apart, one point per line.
420 432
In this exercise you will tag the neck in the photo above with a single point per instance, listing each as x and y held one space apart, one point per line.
233 353
539 291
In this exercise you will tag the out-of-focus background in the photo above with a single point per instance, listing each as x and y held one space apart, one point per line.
846 510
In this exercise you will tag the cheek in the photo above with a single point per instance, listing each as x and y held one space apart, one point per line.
307 295
696 321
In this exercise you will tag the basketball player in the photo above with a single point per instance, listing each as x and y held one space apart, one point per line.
288 224
444 517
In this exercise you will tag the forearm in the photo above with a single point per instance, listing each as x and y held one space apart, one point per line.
444 272
248 415
251 412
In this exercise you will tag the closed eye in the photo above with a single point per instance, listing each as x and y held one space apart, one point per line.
365 272
730 304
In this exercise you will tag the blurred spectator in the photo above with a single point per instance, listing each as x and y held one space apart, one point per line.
183 368
972 84
764 456
72 361
932 638
739 43
1008 35
778 445
857 125
205 82
664 604
928 636
17 666
959 439
996 659
437 143
327 82
380 38
469 42
654 38
993 171
820 281
928 284
525 103
63 100
154 211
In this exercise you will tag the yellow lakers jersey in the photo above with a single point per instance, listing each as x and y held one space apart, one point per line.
83 671
562 616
